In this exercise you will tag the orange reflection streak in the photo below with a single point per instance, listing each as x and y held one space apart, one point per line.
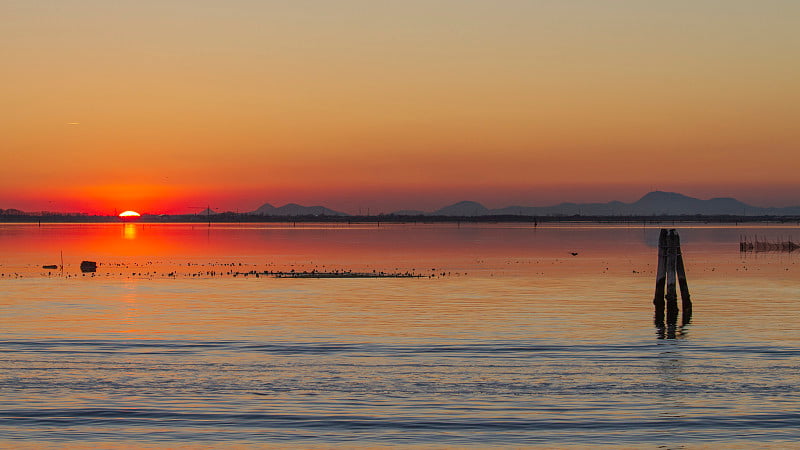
129 231
612 262
193 250
381 247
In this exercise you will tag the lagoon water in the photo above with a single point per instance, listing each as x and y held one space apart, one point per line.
508 339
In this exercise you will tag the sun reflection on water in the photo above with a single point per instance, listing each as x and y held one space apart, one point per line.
129 231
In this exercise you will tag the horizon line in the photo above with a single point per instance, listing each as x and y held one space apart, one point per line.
423 212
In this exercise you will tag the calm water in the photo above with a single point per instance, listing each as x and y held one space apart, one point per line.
508 340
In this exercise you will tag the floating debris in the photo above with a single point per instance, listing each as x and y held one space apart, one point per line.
335 274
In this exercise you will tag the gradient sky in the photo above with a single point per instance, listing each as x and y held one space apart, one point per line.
161 106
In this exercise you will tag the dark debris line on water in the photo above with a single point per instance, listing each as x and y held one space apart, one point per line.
121 269
336 274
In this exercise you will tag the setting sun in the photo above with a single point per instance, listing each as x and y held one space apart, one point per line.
129 215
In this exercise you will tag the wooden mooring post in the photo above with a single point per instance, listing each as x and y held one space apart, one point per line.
671 271
661 276
686 302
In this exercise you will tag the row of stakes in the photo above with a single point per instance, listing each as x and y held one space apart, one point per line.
670 270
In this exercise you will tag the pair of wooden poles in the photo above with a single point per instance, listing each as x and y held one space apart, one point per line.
670 268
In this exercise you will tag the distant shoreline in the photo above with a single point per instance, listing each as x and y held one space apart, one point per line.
397 219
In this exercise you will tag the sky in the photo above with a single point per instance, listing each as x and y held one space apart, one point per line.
167 106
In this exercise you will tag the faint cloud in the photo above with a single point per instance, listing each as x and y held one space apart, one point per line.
73 123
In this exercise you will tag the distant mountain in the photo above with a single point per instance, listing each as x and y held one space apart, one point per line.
463 209
652 203
265 209
671 203
293 209
659 202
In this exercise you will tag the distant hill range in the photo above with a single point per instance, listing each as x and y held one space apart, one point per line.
293 209
653 203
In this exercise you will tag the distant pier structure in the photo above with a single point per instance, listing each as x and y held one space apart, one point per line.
755 244
670 270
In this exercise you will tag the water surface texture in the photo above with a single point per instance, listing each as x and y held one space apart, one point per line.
508 339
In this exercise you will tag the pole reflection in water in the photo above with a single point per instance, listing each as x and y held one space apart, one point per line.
672 330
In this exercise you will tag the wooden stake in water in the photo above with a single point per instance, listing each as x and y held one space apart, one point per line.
672 295
686 302
661 274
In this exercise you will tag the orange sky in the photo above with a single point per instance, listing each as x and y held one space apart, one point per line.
160 106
